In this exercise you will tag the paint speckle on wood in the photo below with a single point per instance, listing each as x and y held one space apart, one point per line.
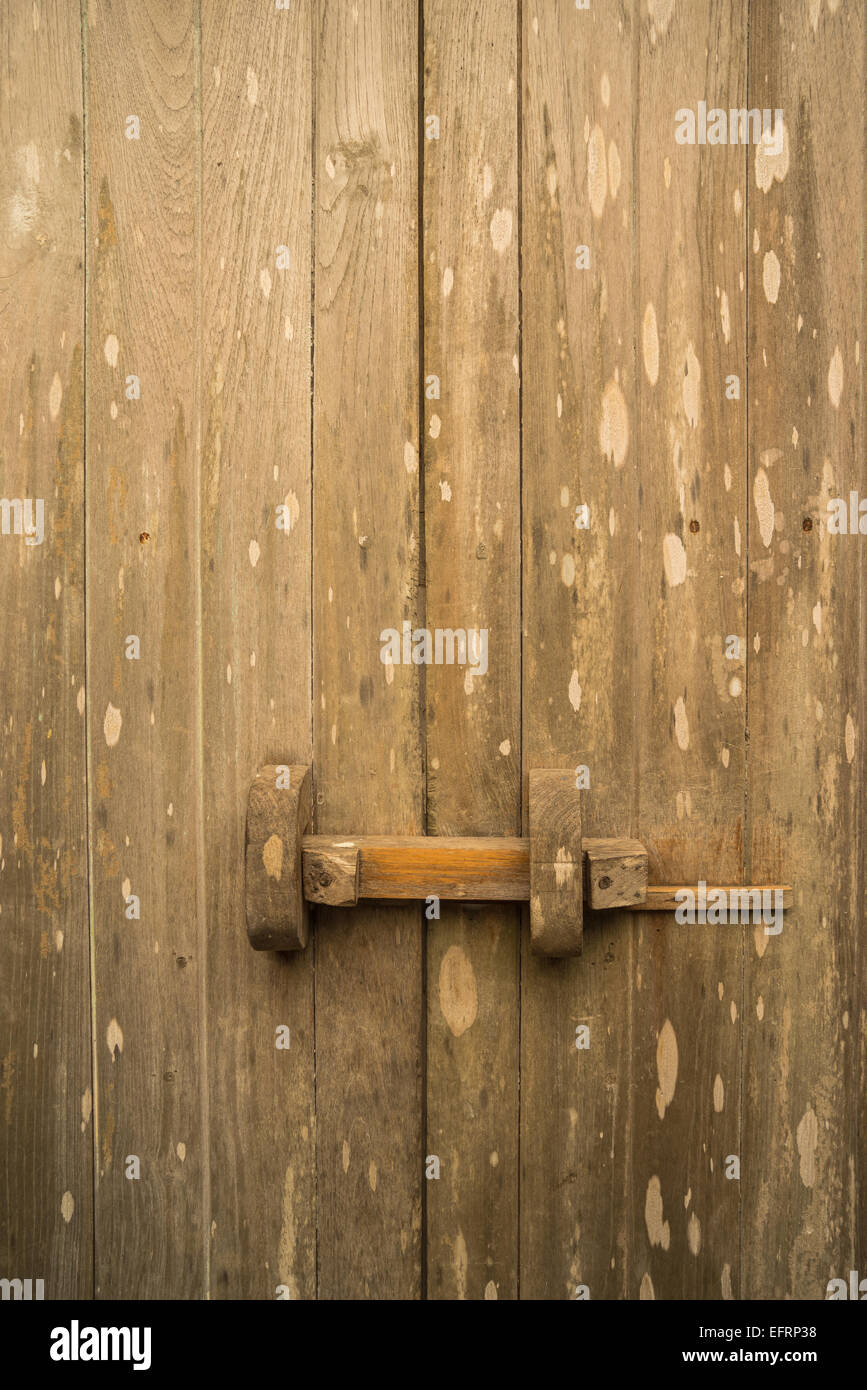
807 1139
666 1067
658 1229
114 1039
111 725
650 344
674 560
614 425
457 988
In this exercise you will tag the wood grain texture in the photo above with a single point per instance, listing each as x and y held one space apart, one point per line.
806 439
257 200
472 552
482 868
579 704
45 1082
279 810
691 439
556 863
142 505
367 752
615 873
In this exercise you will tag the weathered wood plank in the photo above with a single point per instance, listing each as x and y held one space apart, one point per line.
556 863
257 192
578 597
367 754
690 694
45 1072
144 782
472 552
806 440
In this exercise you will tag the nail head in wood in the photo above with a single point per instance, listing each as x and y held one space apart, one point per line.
277 817
556 863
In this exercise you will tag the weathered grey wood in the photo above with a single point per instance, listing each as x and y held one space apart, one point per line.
46 1106
578 328
146 777
803 1156
367 747
277 817
556 863
688 695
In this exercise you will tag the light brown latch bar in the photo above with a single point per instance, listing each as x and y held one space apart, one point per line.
556 869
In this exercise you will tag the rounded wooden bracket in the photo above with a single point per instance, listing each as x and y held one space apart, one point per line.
279 811
556 864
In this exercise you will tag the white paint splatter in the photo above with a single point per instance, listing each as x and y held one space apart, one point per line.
835 378
650 344
764 506
658 1230
772 157
111 349
725 317
771 276
681 724
666 1067
597 175
114 1039
575 691
808 1138
55 396
252 87
674 560
111 725
254 552
614 425
693 1234
850 739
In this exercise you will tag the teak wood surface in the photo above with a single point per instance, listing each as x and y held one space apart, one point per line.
284 301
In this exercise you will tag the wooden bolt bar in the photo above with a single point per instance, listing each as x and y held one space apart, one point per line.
556 869
339 870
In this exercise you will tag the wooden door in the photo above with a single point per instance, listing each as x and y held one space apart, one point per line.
321 319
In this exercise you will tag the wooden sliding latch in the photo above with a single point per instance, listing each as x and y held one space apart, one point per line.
556 869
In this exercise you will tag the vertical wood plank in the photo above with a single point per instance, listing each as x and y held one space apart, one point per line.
256 459
365 578
472 530
692 454
45 1064
578 417
806 728
142 582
